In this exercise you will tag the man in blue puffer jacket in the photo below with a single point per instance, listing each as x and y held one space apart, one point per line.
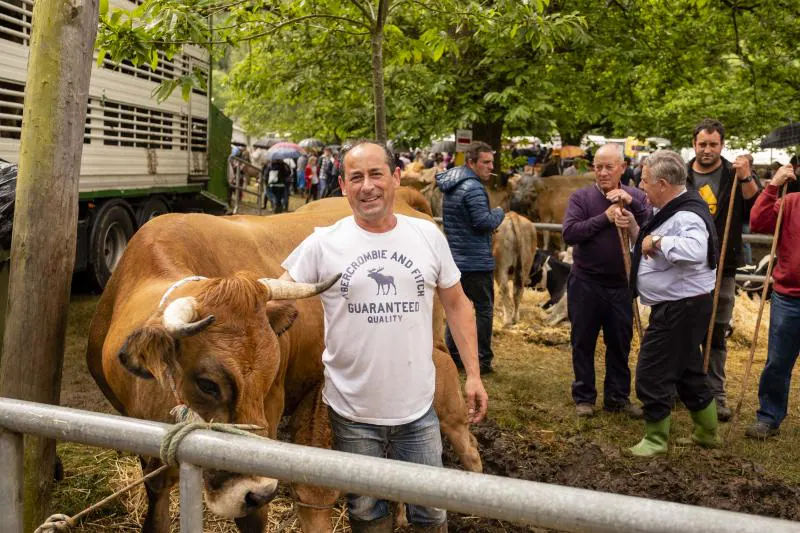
468 225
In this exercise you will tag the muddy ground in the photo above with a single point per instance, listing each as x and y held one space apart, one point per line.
717 479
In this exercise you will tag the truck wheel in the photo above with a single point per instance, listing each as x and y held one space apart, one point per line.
111 232
150 209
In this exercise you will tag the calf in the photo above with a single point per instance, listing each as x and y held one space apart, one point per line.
514 248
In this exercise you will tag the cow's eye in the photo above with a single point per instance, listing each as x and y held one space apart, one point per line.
208 387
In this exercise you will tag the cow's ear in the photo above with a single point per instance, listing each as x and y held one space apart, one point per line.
281 314
148 352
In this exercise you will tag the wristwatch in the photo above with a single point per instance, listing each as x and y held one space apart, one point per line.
748 179
656 239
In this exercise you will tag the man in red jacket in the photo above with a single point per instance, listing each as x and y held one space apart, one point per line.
784 323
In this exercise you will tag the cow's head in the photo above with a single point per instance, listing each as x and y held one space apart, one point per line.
217 344
524 194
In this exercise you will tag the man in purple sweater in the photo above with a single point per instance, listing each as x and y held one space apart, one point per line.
598 296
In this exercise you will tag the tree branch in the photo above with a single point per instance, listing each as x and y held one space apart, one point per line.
270 31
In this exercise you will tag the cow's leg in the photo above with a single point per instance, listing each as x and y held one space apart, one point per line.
519 288
546 240
310 426
157 489
452 412
504 297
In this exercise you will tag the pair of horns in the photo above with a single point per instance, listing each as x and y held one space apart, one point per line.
180 316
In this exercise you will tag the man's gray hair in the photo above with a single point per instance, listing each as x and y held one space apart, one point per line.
668 165
616 150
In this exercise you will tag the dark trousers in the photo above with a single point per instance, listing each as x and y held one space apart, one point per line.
479 288
671 358
591 308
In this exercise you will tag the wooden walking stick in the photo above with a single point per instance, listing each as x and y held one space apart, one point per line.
760 308
720 269
624 241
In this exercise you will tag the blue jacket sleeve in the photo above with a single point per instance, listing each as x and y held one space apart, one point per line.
481 217
576 228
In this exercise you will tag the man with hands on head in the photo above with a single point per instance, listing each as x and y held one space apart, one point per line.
598 296
379 372
784 320
674 271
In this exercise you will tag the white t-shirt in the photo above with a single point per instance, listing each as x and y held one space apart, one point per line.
378 317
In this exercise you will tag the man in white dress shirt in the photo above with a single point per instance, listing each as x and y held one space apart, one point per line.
673 271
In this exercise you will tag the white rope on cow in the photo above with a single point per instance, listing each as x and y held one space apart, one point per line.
174 286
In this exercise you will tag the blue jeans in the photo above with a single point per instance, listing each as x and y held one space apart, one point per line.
416 442
784 345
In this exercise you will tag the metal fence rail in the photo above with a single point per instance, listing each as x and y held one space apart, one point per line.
551 506
747 237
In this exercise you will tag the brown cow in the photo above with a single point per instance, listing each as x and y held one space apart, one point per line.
546 199
514 249
236 347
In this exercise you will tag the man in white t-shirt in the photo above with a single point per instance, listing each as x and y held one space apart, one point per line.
379 372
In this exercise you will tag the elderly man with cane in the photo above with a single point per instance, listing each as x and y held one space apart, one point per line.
718 182
673 271
784 322
598 296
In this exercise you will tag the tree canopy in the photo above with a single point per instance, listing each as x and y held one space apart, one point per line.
535 67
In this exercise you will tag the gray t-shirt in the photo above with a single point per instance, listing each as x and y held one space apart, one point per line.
708 186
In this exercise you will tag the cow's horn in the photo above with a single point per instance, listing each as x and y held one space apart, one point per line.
179 318
292 290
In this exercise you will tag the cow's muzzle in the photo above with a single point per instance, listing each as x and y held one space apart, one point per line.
234 495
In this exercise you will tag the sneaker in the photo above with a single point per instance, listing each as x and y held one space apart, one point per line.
633 411
486 369
584 410
761 430
724 412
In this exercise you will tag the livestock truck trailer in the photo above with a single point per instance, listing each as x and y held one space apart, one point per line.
141 158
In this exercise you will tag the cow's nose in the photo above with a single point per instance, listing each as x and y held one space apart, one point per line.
255 499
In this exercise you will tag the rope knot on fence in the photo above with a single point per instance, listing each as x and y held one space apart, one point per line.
55 523
177 432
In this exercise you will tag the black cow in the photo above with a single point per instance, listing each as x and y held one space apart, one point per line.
554 272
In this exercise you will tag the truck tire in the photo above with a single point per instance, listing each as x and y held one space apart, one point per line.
151 208
110 233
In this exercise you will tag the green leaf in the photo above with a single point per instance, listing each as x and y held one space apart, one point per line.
103 10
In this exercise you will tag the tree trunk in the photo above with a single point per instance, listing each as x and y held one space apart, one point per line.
377 71
43 244
491 133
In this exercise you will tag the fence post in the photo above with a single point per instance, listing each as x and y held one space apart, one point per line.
11 482
237 189
191 493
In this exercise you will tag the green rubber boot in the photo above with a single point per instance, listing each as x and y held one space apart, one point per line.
705 427
656 435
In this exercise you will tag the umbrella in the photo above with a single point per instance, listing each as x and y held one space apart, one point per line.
284 151
312 143
443 146
568 152
265 143
782 137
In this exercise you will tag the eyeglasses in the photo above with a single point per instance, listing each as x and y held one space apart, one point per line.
607 168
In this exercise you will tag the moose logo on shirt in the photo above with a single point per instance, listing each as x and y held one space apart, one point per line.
384 282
